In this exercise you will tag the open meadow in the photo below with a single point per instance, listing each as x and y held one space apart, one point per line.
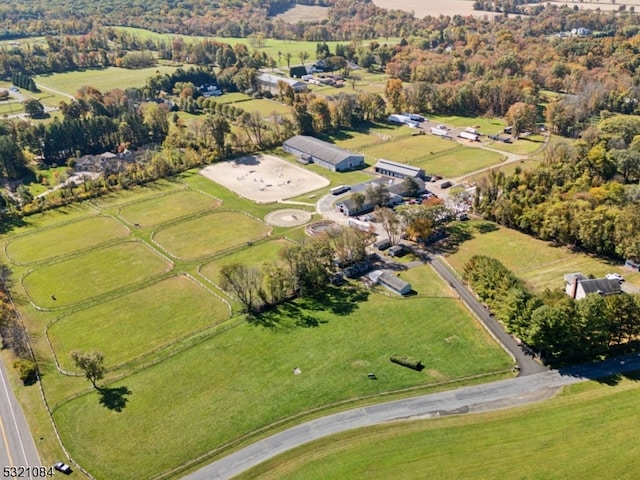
502 444
184 373
540 264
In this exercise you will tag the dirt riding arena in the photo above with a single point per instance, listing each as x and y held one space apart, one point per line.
287 217
264 178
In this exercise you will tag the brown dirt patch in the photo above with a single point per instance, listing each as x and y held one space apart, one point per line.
264 178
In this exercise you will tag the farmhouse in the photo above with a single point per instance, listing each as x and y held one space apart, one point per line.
577 286
390 282
107 162
310 149
399 170
270 82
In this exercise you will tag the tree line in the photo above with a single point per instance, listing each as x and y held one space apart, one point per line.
554 324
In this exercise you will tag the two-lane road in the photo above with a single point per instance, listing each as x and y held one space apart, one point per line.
17 448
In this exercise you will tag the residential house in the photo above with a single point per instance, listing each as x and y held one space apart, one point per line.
577 286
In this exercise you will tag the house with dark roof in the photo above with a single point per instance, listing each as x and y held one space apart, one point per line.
399 170
313 150
577 286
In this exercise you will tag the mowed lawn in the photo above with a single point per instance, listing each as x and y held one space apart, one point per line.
103 79
140 192
588 432
539 263
91 274
64 240
251 256
210 234
266 108
139 322
158 210
242 379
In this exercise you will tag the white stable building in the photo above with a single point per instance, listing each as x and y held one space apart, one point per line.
313 150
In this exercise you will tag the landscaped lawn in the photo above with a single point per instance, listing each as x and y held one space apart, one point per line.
209 234
535 261
91 274
589 432
158 210
242 379
138 322
64 239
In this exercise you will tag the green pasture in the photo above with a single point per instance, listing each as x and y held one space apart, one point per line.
40 220
158 210
234 97
376 134
539 263
11 107
140 192
508 169
266 108
242 378
251 256
408 149
103 79
64 240
458 161
137 323
91 274
272 46
425 282
210 234
523 146
587 432
488 126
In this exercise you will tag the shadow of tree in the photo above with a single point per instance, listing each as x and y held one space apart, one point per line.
338 301
485 227
114 398
457 234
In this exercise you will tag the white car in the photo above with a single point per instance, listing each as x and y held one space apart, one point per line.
615 276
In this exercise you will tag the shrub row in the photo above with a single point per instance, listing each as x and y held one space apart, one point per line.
407 361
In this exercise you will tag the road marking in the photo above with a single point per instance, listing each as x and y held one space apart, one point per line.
15 422
6 443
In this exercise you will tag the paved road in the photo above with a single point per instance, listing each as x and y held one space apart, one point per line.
527 364
489 396
17 448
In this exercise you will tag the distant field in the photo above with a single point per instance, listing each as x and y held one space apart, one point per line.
408 149
537 262
100 271
522 146
143 192
155 211
139 322
64 240
104 79
434 8
485 446
266 108
210 234
304 13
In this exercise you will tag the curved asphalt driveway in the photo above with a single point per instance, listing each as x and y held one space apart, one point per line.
488 396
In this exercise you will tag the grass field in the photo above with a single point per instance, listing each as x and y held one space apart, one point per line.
209 234
95 273
218 383
158 210
522 146
64 240
537 262
488 126
253 256
144 192
408 149
266 108
104 80
121 330
459 161
535 442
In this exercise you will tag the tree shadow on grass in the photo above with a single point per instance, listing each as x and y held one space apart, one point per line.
339 301
114 398
457 234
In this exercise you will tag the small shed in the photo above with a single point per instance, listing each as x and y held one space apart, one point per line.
397 251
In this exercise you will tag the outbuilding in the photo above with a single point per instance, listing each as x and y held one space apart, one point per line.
390 282
270 82
398 170
327 155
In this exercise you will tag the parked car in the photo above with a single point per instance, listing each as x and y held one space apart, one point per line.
445 184
63 467
615 276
